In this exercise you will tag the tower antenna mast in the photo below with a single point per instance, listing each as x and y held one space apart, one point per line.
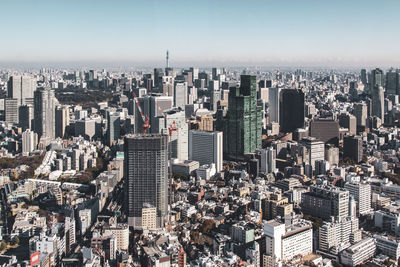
167 58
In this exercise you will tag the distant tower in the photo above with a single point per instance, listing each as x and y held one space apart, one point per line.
167 58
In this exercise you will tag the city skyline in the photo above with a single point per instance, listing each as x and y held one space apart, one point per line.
203 33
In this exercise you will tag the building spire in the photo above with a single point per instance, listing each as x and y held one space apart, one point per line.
167 58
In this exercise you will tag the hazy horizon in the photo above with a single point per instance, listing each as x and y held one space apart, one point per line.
201 33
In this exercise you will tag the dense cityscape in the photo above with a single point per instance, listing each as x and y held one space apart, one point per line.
229 133
199 167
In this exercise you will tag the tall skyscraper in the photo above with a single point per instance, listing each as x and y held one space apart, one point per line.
378 102
273 104
268 160
62 120
361 113
291 110
180 94
215 73
113 126
45 104
242 125
392 83
364 76
174 118
25 116
206 148
21 88
11 110
348 121
29 141
215 97
158 74
146 174
376 78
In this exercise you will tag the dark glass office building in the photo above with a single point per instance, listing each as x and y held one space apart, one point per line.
242 125
291 110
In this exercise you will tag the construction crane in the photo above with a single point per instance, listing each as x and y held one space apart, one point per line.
172 128
145 118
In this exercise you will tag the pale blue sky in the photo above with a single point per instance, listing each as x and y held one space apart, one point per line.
316 32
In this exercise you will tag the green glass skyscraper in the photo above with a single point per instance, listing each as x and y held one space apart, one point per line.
242 125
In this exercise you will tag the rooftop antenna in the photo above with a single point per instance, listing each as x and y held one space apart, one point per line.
167 58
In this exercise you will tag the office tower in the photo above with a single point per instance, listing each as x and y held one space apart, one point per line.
273 104
80 114
361 113
353 148
392 83
157 104
206 148
86 128
321 167
364 76
242 125
174 118
188 75
348 121
268 160
29 141
113 127
45 104
263 94
265 84
11 110
158 74
326 130
21 88
215 98
325 201
215 73
338 234
62 120
25 116
315 149
291 110
167 85
376 78
180 94
378 103
205 77
195 72
146 172
362 194
332 155
285 240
